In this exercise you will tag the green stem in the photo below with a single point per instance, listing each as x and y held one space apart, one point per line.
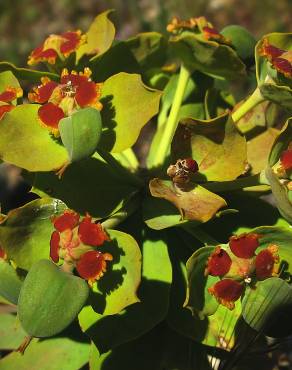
255 99
199 234
172 121
131 158
243 182
133 179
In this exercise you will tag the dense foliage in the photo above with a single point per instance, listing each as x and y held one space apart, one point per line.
123 266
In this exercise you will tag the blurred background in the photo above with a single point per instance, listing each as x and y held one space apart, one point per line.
25 23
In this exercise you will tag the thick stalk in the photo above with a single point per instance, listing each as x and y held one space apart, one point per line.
255 99
172 121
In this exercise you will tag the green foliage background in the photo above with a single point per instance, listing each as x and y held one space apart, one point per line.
25 23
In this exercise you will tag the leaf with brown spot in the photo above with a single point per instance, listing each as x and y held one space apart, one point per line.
216 144
194 203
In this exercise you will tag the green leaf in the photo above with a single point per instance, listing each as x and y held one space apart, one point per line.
118 58
7 79
10 283
268 307
108 332
48 355
118 287
196 204
259 148
89 186
128 106
242 40
27 74
216 145
149 48
25 233
271 84
207 56
80 133
27 144
99 36
50 299
11 332
281 143
198 299
281 194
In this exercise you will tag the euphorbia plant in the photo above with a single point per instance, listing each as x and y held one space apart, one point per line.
129 255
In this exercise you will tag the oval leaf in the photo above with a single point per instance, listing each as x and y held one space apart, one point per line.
80 133
50 299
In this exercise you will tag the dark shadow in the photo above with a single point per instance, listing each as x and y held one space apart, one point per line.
108 113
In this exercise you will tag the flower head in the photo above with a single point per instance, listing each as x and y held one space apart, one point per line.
73 92
279 58
219 263
75 241
265 262
227 291
240 265
6 98
56 46
92 265
244 245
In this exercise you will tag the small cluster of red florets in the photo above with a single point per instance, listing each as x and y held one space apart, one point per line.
199 24
61 99
57 46
76 242
279 58
6 98
239 265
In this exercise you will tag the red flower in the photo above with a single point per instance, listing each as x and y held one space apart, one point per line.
92 265
55 246
6 97
91 233
280 59
56 46
227 291
270 51
244 245
60 100
265 262
218 263
75 242
286 159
